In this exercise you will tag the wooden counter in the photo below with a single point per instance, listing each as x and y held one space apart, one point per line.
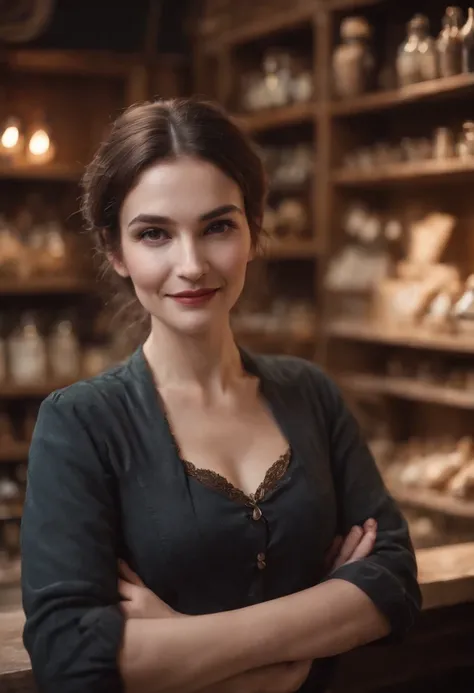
444 637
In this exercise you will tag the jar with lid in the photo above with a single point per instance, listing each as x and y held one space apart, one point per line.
27 353
353 62
466 141
467 33
64 352
417 59
450 43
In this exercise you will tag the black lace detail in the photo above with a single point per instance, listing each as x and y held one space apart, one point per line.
218 482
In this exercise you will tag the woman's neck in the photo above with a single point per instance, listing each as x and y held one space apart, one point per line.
210 361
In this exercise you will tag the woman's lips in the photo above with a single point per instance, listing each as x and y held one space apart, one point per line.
194 298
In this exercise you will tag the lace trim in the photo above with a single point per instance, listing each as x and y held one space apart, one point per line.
218 482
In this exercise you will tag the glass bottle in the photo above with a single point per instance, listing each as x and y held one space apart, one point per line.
417 59
27 353
467 33
450 43
64 352
353 63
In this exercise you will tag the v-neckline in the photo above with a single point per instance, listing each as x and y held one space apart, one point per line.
207 477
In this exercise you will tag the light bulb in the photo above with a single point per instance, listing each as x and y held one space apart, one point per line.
10 137
39 143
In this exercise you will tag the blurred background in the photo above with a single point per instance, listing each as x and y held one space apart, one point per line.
363 112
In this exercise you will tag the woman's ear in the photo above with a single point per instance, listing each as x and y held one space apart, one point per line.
117 264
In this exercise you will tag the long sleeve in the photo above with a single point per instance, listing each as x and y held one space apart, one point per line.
389 575
73 625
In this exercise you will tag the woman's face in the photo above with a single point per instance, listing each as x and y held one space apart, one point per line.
185 244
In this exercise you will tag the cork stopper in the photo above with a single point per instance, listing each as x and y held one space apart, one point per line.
355 28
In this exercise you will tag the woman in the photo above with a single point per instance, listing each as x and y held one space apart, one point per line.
160 461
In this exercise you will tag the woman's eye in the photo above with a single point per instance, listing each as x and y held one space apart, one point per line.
220 226
153 235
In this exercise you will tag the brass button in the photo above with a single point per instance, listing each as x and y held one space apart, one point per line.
257 513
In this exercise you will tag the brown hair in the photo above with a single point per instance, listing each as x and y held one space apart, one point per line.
151 132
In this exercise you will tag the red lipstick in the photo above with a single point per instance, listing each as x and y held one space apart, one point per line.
194 298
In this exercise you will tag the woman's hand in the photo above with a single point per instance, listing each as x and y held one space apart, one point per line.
137 600
141 602
358 544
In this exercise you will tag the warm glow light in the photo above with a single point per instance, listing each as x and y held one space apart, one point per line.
39 143
10 137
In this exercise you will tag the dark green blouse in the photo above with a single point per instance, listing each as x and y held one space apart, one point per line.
106 480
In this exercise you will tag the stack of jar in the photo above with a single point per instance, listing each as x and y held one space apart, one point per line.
419 58
29 357
445 143
283 78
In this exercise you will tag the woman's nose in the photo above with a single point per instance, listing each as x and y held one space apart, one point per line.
191 263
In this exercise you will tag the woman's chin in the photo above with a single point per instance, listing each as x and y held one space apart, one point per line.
196 324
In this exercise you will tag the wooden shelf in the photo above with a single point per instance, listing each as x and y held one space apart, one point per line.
52 172
260 28
39 391
351 5
416 172
415 338
433 90
273 118
432 501
407 388
71 62
47 285
17 452
289 250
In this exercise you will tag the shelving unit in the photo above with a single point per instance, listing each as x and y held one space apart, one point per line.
423 172
360 331
407 389
79 92
338 127
219 59
433 91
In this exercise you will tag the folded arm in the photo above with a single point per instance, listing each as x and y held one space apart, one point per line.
76 633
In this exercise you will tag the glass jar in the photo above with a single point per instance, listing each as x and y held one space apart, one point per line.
443 143
467 34
10 250
252 91
466 141
27 353
64 351
450 43
277 78
417 57
353 63
302 82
